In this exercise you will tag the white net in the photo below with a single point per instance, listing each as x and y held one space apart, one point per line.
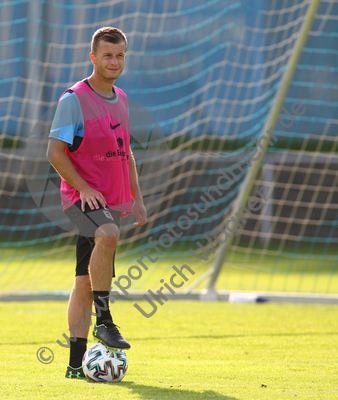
207 71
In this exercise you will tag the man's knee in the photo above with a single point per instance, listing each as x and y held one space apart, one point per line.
107 231
107 236
83 287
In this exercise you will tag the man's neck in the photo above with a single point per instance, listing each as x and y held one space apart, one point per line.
104 89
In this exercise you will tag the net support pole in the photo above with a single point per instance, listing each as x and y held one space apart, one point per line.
246 188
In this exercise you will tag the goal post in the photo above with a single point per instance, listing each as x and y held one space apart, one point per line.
248 183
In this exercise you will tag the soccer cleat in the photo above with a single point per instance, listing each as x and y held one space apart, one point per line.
109 335
74 373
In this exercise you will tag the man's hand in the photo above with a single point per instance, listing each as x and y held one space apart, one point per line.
92 197
140 213
59 159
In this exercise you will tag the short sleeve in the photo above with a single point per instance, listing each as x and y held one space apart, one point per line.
68 120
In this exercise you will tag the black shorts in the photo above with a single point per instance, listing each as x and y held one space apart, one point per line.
84 248
88 222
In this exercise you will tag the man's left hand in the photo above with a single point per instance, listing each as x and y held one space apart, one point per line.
140 212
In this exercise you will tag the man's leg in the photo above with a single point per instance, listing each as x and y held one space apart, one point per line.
79 306
102 225
100 271
100 265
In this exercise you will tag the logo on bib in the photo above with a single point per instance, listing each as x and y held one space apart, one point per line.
120 142
115 126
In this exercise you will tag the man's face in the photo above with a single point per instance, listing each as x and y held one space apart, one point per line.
109 59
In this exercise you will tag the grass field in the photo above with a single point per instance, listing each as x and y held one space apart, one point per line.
53 270
187 350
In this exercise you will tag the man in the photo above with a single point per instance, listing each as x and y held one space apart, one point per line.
89 148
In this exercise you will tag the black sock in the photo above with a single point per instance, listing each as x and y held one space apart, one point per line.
101 303
77 350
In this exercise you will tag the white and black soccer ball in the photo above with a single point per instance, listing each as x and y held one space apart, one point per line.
101 364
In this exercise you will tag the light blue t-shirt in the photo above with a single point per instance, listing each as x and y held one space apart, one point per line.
68 121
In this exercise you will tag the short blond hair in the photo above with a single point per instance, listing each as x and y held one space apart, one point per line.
107 34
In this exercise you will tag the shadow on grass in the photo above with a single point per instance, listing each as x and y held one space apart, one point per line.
159 393
231 336
45 342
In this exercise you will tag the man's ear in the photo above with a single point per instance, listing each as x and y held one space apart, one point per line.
92 57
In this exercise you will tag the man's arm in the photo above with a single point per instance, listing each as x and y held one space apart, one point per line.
61 162
138 206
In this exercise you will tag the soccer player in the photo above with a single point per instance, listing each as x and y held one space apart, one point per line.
89 148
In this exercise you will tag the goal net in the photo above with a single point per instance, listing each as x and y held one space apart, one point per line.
206 72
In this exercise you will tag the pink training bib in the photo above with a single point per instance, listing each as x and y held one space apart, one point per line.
102 159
